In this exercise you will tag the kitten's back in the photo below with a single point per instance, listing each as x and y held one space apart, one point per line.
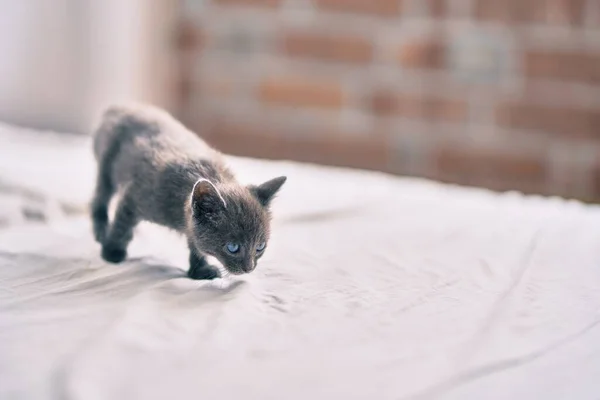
146 124
157 158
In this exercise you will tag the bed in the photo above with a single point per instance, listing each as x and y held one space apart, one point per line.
374 287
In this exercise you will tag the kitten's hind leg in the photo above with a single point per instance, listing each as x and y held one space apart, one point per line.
99 207
200 268
114 246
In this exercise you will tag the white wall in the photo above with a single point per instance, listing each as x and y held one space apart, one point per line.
61 61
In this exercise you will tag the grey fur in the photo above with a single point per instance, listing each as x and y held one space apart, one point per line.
156 162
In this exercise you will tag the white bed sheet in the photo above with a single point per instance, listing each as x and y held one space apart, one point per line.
373 287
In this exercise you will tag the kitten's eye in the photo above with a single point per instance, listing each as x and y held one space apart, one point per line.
261 246
233 247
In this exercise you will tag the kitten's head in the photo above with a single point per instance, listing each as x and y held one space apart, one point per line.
232 222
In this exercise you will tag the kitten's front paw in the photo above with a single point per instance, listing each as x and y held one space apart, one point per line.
204 272
113 254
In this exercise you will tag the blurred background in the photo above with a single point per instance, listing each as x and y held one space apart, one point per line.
501 94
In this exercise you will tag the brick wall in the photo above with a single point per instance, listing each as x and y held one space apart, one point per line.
496 93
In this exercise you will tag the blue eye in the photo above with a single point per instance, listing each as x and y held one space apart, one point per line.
261 246
233 247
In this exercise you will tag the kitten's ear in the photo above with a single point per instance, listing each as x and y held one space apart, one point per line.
206 199
267 191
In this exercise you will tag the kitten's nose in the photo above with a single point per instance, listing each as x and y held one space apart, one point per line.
249 266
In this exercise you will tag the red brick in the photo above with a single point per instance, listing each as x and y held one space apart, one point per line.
504 11
373 7
566 122
438 8
528 11
297 91
570 66
342 150
188 37
490 167
249 3
419 107
562 12
427 53
343 48
243 139
329 148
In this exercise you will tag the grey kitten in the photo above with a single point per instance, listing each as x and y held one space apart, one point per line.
169 176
